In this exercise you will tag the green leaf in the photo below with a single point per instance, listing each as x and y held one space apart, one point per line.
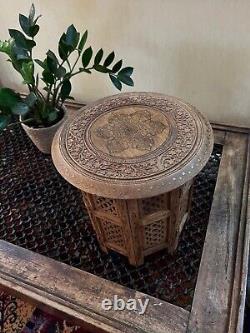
30 28
18 37
4 120
37 80
98 57
20 109
27 71
52 61
63 53
117 66
34 30
40 63
31 99
126 71
65 90
86 56
67 76
72 37
60 72
37 19
63 48
52 116
101 69
25 24
83 41
52 55
109 59
30 44
116 82
5 47
21 40
76 40
20 53
8 98
32 13
48 77
126 80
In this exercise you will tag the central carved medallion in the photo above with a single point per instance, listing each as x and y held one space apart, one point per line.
129 131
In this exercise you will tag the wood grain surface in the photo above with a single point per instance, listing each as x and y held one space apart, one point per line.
133 145
79 294
217 286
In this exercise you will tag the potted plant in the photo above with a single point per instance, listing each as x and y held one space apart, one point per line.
41 112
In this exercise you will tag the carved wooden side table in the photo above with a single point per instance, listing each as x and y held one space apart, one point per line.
134 156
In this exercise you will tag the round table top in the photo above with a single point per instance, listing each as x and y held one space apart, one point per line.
133 145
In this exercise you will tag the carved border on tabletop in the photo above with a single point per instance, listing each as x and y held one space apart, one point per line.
188 127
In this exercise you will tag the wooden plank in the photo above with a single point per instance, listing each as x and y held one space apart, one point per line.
230 128
212 299
74 105
237 321
219 136
79 294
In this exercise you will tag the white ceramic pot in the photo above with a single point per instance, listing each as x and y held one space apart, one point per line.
43 137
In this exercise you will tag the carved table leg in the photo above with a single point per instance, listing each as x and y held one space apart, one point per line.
137 258
111 221
180 208
87 199
137 228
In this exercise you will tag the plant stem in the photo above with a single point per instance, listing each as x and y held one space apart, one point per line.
48 94
68 63
31 50
38 93
88 69
79 54
21 122
57 98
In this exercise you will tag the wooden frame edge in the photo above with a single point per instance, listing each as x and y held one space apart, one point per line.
245 215
79 294
220 287
230 128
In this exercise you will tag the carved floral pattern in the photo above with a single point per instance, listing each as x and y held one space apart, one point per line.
192 133
136 130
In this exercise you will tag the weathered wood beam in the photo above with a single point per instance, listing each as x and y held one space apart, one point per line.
79 294
222 253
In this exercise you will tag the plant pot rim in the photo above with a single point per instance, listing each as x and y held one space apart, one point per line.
44 128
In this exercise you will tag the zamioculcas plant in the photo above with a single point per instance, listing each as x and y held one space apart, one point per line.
43 108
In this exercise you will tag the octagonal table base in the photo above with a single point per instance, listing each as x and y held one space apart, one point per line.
139 227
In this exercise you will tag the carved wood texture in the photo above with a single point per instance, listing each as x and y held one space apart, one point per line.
139 227
134 156
133 145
